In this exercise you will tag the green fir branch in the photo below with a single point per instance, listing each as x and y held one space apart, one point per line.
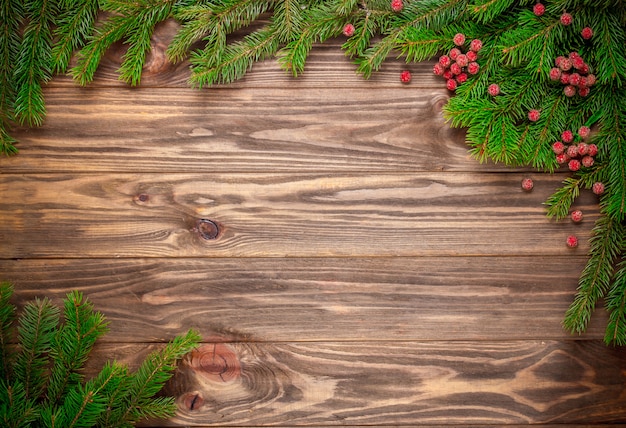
7 317
616 307
560 202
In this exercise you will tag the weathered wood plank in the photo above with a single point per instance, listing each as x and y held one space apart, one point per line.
220 130
281 215
319 299
397 383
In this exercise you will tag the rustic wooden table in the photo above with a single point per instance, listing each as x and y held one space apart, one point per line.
345 260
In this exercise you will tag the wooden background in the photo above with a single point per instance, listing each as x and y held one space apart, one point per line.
345 260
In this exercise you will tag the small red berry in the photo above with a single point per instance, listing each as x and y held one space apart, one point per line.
473 68
583 92
462 60
459 39
574 79
494 89
577 216
558 148
591 79
461 78
534 115
451 84
558 59
583 149
564 78
573 165
471 56
584 132
566 19
539 9
572 241
438 69
578 63
565 64
445 61
597 188
587 33
567 136
555 74
454 53
447 74
476 45
527 184
572 151
405 76
569 91
592 150
562 158
348 30
588 161
397 5
456 68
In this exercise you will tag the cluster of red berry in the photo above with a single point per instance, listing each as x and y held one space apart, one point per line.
574 73
575 153
457 65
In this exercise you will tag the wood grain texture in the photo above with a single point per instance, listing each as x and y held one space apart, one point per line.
256 130
281 215
319 299
396 383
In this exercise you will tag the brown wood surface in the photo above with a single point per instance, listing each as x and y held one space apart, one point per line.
360 268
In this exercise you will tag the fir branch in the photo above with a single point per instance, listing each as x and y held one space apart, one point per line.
35 333
485 11
595 280
559 202
609 56
7 316
74 26
16 410
11 18
616 307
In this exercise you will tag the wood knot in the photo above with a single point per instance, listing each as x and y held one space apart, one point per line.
216 362
207 229
142 197
192 401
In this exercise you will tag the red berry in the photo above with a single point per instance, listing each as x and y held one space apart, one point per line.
462 60
572 241
573 165
587 161
583 82
562 159
558 147
438 69
572 151
574 79
598 188
397 5
476 45
405 76
348 30
445 61
459 39
565 64
567 136
569 91
461 78
583 149
534 115
592 150
527 184
454 53
451 84
555 74
539 9
564 78
578 63
566 19
473 68
447 74
587 33
493 89
471 56
591 79
558 59
577 216
583 92
456 68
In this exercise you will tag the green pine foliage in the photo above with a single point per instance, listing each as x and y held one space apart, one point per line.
42 383
223 39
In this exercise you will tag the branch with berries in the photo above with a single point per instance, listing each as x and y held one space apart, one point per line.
535 83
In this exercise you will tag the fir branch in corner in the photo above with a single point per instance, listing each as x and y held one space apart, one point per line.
7 316
616 307
11 18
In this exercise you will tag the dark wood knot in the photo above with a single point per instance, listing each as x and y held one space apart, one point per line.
207 229
142 197
192 401
216 362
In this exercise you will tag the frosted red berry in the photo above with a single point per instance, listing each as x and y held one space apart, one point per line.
562 158
587 33
592 150
447 74
573 165
527 184
576 216
493 89
445 61
471 56
564 78
574 79
459 39
566 19
583 149
572 151
583 92
348 30
587 161
473 68
451 84
476 45
405 76
461 78
462 60
558 148
565 64
567 136
598 188
438 69
591 79
397 5
578 63
456 68
584 132
555 74
572 241
570 91
454 53
534 115
539 9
